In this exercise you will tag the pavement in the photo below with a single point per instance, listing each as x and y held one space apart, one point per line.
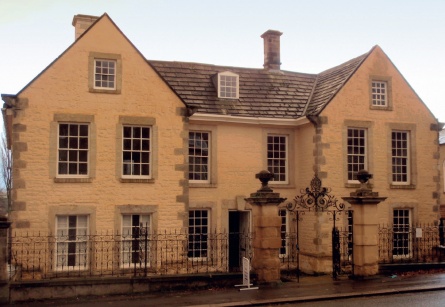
308 288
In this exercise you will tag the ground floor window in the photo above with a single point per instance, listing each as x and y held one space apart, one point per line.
71 241
401 232
350 233
284 231
135 239
198 233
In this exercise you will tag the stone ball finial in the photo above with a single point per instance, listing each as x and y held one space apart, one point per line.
363 176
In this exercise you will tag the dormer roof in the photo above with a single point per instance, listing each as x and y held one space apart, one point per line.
262 93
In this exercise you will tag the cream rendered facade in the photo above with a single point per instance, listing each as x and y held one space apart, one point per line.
316 143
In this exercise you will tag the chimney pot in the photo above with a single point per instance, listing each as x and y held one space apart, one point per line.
81 23
272 49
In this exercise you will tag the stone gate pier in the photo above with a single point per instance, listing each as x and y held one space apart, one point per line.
266 228
365 224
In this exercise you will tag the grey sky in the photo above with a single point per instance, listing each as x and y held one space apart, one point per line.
317 35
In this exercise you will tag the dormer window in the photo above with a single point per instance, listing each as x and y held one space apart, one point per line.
228 85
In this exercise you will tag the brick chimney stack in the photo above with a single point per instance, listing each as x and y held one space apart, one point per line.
272 49
81 23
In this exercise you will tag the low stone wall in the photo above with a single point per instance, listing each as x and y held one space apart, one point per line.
69 288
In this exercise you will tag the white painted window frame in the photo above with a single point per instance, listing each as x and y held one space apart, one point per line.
272 160
82 238
103 73
222 85
207 234
355 154
379 90
286 226
408 233
194 156
131 150
127 236
68 149
406 157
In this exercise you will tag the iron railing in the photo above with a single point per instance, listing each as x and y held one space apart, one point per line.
46 256
413 244
291 249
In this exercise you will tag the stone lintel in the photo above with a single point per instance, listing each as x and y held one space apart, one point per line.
363 200
258 199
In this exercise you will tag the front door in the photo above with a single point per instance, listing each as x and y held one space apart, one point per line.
239 234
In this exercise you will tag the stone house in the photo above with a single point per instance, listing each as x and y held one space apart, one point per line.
442 173
105 140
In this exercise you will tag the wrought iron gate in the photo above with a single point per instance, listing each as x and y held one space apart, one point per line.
316 198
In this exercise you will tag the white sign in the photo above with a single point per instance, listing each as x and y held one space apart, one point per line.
418 232
246 276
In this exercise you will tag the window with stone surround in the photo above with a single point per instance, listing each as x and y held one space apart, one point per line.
228 85
356 152
380 92
400 157
199 156
73 150
401 233
284 232
136 152
136 231
277 157
198 234
72 242
136 149
105 73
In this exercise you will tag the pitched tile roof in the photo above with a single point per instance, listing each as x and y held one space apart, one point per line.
329 82
262 93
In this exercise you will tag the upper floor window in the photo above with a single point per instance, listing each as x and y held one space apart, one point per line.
73 147
105 74
356 151
379 93
277 157
228 85
136 151
400 157
199 156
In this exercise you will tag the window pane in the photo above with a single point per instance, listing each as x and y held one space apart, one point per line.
400 157
74 137
136 154
356 152
105 74
198 233
199 155
277 156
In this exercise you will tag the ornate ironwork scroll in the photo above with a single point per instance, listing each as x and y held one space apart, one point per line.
315 198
